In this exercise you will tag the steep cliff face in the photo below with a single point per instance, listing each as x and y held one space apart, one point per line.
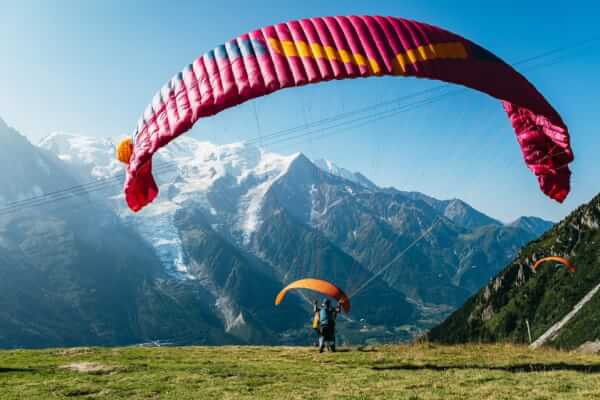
517 295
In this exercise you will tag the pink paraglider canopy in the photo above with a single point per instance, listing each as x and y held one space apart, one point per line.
322 49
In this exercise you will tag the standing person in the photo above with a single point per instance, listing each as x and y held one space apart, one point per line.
327 317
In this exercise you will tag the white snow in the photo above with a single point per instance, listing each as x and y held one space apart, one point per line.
250 219
155 224
328 207
227 310
206 166
333 169
92 156
270 168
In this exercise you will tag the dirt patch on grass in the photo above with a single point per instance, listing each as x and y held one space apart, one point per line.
73 351
590 347
90 368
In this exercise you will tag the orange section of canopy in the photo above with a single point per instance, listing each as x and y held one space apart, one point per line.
317 285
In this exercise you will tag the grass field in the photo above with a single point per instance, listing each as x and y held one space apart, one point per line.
420 371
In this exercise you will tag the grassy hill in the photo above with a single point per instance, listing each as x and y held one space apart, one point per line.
422 371
501 309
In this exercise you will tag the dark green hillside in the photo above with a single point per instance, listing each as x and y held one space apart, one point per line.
500 310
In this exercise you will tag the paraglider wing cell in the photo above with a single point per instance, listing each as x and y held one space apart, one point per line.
321 49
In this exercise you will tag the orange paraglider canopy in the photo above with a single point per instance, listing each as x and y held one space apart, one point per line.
561 260
319 286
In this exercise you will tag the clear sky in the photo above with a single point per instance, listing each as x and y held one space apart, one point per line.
91 67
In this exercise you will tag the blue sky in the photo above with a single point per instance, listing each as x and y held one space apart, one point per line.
91 68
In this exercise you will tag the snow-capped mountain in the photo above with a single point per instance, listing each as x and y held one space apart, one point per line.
188 171
240 222
72 273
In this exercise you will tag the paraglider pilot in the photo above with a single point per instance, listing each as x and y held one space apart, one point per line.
327 317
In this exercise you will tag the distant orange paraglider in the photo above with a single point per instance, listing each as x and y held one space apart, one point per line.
561 260
320 286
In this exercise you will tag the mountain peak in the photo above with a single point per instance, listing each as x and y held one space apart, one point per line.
462 213
299 158
533 224
3 124
333 169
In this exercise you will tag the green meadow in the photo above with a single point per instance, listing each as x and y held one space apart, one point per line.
420 371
